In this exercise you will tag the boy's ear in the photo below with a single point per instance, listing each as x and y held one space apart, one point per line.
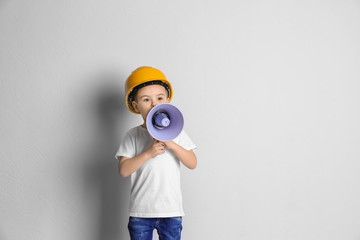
134 105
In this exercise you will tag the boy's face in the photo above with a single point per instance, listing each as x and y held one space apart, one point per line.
148 97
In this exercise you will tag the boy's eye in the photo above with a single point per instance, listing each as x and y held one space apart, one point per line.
145 99
160 98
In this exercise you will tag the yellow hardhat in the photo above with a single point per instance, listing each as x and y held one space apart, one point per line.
142 77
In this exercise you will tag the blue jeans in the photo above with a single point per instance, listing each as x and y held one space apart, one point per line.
167 228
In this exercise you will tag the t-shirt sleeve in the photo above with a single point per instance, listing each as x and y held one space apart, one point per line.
127 147
185 141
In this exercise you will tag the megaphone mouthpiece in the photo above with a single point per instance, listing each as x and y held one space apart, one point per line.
161 120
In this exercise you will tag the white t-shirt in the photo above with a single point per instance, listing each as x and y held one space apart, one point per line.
155 186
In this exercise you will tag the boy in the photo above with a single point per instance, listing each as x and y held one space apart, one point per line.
154 166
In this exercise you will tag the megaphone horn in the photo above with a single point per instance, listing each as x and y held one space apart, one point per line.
164 122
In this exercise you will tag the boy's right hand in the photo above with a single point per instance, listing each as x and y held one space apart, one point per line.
156 148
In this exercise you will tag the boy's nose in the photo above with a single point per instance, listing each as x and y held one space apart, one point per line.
155 102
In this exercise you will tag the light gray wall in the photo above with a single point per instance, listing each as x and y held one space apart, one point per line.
269 91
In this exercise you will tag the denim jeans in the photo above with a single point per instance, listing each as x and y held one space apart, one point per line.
167 228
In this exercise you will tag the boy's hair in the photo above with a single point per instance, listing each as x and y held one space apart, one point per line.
141 77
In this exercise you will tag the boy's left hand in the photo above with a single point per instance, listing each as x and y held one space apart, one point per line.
169 145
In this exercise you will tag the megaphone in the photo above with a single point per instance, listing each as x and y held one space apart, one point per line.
164 122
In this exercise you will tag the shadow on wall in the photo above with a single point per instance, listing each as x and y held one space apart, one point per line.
101 175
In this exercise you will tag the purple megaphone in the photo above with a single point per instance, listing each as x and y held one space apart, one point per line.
164 122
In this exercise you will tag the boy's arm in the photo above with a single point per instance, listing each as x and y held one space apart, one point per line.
187 157
129 165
